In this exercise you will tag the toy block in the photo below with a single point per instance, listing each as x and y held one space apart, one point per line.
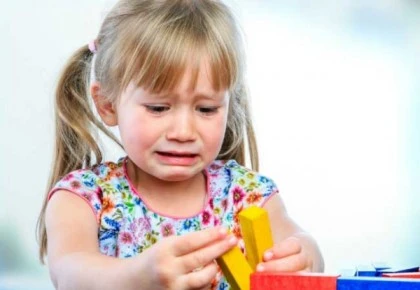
235 268
366 271
407 269
380 266
412 275
256 232
293 281
377 283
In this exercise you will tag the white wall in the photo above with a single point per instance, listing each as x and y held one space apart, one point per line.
336 105
336 100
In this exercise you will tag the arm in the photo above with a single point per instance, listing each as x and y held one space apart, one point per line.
294 249
73 251
76 263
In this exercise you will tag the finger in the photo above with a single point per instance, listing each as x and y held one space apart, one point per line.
207 254
288 247
196 240
200 279
293 263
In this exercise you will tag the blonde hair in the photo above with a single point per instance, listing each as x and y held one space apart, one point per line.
150 42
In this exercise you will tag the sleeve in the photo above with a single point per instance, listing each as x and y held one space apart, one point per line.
248 188
258 189
84 184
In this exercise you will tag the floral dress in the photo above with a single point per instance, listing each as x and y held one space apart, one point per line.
127 226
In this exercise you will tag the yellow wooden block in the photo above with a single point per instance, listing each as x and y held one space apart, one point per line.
256 232
236 269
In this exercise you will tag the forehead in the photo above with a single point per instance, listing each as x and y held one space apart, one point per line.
198 78
198 74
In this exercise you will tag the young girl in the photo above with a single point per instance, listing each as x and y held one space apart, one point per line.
170 75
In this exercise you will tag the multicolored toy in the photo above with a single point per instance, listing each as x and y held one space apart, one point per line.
240 271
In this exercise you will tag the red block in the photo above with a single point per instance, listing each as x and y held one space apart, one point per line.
403 275
293 281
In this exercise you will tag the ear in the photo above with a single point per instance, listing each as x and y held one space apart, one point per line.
104 107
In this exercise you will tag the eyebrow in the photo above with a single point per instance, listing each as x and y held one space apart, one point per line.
200 95
207 96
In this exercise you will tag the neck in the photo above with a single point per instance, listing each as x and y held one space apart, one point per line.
173 198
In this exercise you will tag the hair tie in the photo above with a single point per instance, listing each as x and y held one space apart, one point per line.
92 46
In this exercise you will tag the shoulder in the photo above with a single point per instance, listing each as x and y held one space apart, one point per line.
242 179
91 178
236 187
236 172
91 183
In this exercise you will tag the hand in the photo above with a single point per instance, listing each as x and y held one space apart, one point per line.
185 262
286 256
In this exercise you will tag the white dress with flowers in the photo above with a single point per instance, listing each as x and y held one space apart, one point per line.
127 226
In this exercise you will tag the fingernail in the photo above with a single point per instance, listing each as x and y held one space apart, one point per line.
268 255
260 268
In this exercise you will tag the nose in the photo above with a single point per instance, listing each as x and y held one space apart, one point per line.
182 127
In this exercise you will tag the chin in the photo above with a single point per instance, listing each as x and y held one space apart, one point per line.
178 173
176 177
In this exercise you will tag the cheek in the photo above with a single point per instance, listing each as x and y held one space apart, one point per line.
215 133
133 131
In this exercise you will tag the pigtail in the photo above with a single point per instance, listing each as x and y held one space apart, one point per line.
251 141
240 141
75 145
249 134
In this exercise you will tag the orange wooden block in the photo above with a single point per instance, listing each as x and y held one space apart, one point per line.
293 281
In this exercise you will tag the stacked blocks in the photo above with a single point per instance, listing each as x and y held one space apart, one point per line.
376 283
397 270
379 277
319 281
255 227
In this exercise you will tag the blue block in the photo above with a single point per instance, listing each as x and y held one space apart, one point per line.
366 271
376 283
380 266
406 269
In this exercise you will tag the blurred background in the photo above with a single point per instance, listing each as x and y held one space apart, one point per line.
336 103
